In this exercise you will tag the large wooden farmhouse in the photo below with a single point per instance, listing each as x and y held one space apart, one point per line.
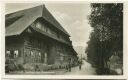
34 37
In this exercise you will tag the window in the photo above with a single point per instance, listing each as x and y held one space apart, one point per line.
49 31
38 25
16 53
39 54
8 53
31 53
39 57
43 27
12 54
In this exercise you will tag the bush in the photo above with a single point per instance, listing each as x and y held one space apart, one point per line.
10 67
20 67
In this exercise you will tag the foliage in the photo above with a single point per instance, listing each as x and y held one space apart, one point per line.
107 35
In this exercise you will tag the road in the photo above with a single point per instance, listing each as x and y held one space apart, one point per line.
86 70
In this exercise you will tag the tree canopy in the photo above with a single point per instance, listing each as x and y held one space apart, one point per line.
106 38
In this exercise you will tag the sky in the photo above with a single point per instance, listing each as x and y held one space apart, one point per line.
72 16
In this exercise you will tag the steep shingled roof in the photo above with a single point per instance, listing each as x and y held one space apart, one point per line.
18 21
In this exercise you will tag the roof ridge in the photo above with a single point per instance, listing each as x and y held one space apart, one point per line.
23 10
54 20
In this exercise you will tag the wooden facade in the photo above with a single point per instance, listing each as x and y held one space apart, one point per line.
39 43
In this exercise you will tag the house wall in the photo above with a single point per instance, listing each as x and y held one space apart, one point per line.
61 53
37 48
52 54
14 45
55 49
46 27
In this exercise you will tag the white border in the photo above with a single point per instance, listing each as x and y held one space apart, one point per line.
2 34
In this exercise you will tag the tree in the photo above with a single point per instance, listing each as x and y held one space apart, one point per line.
107 35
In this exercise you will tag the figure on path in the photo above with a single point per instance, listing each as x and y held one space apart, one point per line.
80 64
69 65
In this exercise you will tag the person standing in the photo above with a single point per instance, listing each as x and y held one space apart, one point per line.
80 64
69 65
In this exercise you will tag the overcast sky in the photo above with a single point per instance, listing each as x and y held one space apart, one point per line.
72 17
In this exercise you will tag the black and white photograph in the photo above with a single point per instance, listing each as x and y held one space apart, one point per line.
64 38
64 79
